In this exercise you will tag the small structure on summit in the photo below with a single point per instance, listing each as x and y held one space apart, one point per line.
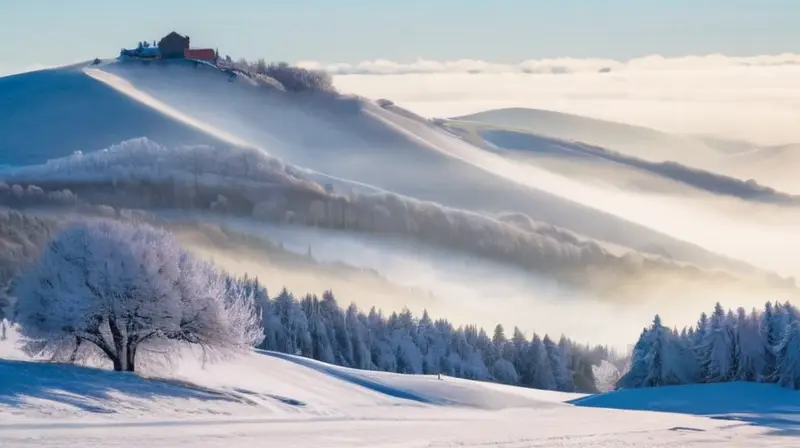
173 45
202 54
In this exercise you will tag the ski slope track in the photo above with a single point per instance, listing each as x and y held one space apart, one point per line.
288 401
346 139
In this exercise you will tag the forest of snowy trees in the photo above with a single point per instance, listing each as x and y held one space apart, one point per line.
103 288
319 328
108 291
756 346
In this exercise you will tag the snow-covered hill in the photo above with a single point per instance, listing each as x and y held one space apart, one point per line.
636 141
778 164
343 140
54 112
289 401
607 164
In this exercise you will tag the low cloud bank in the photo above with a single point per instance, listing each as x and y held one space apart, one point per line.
552 66
752 99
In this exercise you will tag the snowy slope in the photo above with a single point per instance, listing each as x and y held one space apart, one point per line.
523 144
262 384
645 143
342 137
286 401
52 113
755 403
776 164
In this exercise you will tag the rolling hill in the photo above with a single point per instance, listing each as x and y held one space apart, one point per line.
644 143
342 140
541 150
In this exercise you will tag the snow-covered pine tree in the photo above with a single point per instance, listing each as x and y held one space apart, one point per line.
358 331
558 363
540 373
519 348
787 373
750 348
660 358
771 335
731 322
334 319
699 335
717 348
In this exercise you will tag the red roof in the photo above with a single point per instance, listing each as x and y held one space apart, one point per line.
204 54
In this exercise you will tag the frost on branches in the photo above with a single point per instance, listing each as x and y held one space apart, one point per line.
118 287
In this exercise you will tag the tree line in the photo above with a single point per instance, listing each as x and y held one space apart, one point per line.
321 329
757 346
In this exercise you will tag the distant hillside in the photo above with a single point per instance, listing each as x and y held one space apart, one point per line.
520 143
339 139
776 165
645 143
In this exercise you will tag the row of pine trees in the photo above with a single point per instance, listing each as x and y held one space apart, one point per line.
319 328
762 346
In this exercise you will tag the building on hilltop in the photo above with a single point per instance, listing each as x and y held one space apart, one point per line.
173 45
201 54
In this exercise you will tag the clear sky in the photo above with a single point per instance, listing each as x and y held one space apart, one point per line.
59 31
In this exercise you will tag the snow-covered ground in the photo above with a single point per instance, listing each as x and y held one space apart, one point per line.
286 401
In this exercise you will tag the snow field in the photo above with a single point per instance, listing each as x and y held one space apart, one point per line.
292 402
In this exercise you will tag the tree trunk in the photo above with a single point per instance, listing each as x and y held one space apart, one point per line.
120 346
117 364
131 357
73 357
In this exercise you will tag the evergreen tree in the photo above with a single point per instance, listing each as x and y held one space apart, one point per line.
660 358
717 348
558 363
770 337
788 355
751 353
540 372
358 332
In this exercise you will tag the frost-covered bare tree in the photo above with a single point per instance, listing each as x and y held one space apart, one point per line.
119 286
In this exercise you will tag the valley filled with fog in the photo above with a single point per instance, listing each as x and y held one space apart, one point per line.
495 217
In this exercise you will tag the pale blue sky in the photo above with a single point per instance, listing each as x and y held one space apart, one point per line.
59 31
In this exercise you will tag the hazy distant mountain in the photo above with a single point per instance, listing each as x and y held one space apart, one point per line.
775 165
568 157
645 143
